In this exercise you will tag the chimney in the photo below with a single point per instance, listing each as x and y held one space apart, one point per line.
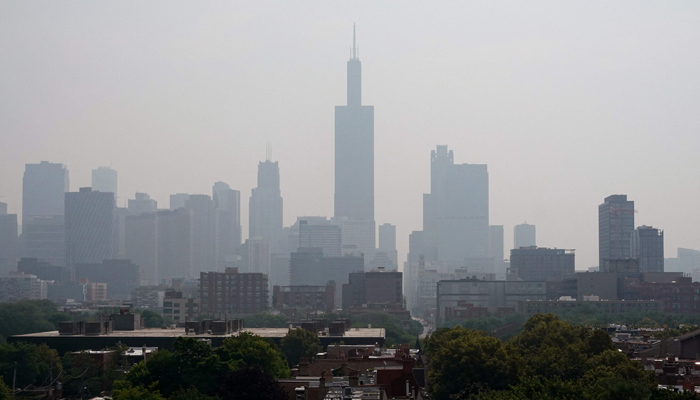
303 367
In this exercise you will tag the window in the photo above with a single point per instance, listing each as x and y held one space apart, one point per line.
167 304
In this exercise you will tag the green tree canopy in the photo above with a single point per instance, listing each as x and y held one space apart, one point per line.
299 343
252 351
35 364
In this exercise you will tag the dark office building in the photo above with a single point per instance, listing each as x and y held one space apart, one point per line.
354 149
615 229
43 204
305 298
43 270
89 227
228 221
375 287
309 266
232 293
542 264
121 276
8 240
648 248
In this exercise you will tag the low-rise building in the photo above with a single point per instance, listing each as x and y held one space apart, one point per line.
304 298
606 306
233 293
542 264
179 307
18 286
374 287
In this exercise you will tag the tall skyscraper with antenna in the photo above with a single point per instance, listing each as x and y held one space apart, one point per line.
354 149
266 204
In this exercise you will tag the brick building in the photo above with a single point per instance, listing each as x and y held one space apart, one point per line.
304 298
232 292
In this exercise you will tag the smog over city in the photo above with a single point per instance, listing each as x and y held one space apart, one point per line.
368 172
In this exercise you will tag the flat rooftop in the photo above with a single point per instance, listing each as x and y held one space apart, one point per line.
177 332
165 338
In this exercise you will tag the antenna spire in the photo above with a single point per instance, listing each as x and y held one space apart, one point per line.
268 151
354 47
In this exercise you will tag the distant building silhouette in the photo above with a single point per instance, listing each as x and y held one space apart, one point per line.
321 234
8 241
542 264
354 149
43 270
43 195
142 203
104 179
615 229
524 235
358 237
387 243
379 288
89 227
648 247
266 206
228 221
497 249
178 200
203 233
121 276
456 212
310 267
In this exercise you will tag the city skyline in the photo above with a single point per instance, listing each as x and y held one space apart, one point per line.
577 183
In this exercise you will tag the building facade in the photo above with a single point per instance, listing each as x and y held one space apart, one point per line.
180 308
311 267
232 293
321 234
304 298
648 247
615 229
121 276
8 241
524 235
228 221
383 288
89 227
387 243
104 179
542 264
266 206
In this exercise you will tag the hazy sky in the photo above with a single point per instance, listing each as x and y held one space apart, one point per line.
567 102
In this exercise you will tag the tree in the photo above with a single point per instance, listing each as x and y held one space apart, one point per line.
265 320
29 316
465 362
153 319
190 394
126 391
300 343
35 364
251 351
250 384
5 391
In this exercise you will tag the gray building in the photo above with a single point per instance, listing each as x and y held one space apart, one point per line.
311 267
43 195
497 249
104 179
8 241
321 234
615 229
374 287
203 225
266 206
121 276
542 264
89 227
178 200
228 221
454 293
456 212
387 243
524 235
354 149
43 270
648 247
142 203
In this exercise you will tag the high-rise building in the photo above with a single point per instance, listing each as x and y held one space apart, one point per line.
43 189
648 247
524 235
8 241
542 264
615 229
311 267
203 233
178 200
89 227
104 179
358 237
233 293
375 287
496 249
387 242
142 203
456 212
257 255
266 206
321 234
354 149
121 276
228 221
160 243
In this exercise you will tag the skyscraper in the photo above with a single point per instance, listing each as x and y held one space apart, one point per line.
142 203
104 179
354 149
496 249
456 212
387 242
316 233
43 189
203 233
8 241
648 248
524 235
89 227
615 228
266 205
228 218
